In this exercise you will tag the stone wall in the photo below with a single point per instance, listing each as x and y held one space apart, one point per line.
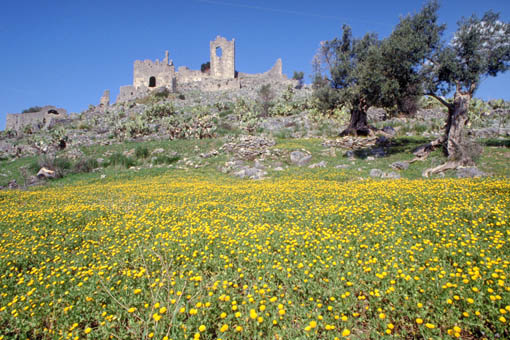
222 67
210 85
37 120
185 75
149 75
153 74
129 92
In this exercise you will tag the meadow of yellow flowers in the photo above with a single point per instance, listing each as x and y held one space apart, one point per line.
183 257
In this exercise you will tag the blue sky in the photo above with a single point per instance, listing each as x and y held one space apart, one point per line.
66 53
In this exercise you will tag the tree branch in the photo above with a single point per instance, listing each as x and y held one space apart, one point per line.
440 99
472 88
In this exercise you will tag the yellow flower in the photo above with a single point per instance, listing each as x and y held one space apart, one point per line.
202 328
253 314
131 310
419 321
429 325
87 330
137 291
156 316
382 316
224 328
346 332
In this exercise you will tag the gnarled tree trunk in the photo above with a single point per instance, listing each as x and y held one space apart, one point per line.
457 120
452 140
358 124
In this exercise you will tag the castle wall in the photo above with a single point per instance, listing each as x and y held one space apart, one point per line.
222 67
185 75
153 74
39 120
129 92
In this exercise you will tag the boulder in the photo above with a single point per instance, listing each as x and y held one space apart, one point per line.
46 173
12 184
300 158
377 173
399 165
251 173
470 172
321 164
391 175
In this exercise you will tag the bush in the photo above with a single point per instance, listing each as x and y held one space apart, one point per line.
58 164
85 165
265 97
299 76
163 159
32 109
325 98
118 159
141 152
158 111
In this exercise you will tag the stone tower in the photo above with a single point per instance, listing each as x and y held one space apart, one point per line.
222 58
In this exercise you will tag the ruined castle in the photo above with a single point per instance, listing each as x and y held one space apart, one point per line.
222 75
41 119
149 75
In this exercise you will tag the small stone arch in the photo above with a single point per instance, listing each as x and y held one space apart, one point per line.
152 82
219 51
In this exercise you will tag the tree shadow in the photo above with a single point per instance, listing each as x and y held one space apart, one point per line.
387 147
497 142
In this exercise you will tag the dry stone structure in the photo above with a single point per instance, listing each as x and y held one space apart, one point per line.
149 75
41 119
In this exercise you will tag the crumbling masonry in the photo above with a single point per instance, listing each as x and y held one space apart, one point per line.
149 75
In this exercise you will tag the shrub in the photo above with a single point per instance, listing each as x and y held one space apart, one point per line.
32 109
58 164
265 97
118 159
85 165
158 111
141 152
163 159
299 76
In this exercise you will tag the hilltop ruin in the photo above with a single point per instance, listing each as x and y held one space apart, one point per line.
41 119
222 75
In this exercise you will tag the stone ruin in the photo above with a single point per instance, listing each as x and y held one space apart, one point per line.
42 119
149 75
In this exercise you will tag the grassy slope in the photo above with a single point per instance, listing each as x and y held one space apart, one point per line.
494 160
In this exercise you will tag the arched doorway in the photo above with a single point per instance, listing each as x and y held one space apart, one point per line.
152 82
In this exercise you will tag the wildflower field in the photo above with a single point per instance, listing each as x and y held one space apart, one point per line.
182 257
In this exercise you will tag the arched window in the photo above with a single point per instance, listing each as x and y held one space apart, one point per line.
219 52
152 82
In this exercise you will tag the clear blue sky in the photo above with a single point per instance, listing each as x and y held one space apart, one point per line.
65 53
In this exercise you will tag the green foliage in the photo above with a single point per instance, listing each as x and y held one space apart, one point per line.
118 159
32 109
142 152
85 165
162 93
159 110
205 67
265 96
164 159
299 76
479 48
198 124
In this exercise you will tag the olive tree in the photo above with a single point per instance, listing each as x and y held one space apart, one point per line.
480 48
